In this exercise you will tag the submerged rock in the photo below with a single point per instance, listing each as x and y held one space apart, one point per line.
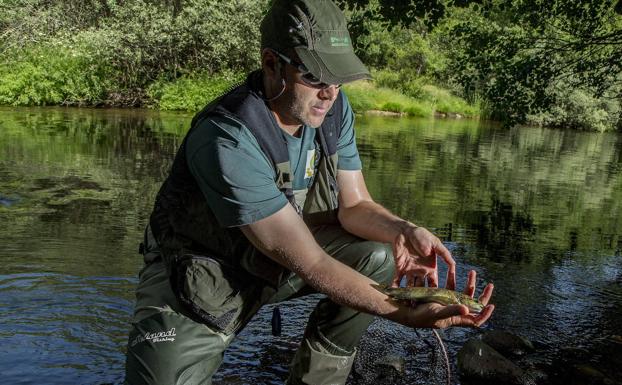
507 344
389 369
482 364
393 363
616 339
587 374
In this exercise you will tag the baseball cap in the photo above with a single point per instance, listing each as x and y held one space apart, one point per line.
317 31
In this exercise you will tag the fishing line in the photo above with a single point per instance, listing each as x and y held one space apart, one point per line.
444 350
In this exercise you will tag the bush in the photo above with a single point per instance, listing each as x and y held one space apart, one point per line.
54 73
141 40
192 93
579 109
154 41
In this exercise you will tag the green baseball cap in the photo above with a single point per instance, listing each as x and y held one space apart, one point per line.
317 30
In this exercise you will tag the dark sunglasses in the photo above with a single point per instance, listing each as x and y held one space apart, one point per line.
307 77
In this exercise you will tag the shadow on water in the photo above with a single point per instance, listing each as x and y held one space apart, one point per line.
500 232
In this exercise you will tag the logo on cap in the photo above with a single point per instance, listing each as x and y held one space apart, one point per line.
336 41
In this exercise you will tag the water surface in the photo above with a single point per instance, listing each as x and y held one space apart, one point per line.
536 211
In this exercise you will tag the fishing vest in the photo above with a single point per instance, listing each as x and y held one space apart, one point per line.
182 221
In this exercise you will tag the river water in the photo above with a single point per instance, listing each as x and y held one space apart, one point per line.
534 210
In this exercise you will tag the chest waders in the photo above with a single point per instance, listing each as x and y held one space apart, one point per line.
202 283
184 226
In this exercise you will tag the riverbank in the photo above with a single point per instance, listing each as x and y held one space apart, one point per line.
192 93
60 82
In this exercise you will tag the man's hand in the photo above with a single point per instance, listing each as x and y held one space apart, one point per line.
415 251
434 315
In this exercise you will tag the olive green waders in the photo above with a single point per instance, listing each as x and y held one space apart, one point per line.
169 345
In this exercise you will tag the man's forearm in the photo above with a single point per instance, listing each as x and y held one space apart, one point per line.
286 239
369 220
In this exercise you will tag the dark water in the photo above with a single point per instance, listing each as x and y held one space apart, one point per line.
535 211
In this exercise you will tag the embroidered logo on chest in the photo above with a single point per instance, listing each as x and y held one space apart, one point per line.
310 164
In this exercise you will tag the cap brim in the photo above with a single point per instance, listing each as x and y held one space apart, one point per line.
333 68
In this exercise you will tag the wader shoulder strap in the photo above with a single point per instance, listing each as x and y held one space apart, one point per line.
247 105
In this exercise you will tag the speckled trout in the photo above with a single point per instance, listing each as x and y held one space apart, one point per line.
431 294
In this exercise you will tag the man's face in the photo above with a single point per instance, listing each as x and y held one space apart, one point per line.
302 103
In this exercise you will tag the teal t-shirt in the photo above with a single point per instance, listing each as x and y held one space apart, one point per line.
238 179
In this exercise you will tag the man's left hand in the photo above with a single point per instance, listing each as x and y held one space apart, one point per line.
415 251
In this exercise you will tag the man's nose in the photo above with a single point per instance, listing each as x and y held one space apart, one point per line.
329 93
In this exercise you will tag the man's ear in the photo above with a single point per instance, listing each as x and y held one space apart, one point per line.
270 63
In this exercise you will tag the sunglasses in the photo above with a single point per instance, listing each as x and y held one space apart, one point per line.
307 77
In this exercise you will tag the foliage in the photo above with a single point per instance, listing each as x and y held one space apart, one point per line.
139 40
578 108
191 93
397 47
420 88
405 57
54 74
154 40
405 11
365 96
556 62
512 54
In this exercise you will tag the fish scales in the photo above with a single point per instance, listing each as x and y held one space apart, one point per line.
431 294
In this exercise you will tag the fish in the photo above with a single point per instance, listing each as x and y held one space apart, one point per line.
431 294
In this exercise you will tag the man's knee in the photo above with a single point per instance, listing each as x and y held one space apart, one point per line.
378 263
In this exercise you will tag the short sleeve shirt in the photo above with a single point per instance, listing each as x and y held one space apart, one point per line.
237 178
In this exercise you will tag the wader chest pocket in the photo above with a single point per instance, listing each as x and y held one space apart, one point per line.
210 292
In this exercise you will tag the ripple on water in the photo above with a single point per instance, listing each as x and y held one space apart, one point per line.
63 327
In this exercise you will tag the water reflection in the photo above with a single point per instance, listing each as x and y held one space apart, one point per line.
536 211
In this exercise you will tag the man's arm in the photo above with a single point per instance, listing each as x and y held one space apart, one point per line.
284 237
415 249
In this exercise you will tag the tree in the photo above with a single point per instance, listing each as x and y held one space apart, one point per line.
513 52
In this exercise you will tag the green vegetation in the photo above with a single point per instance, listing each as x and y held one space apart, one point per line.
191 93
122 48
553 62
366 96
51 73
556 63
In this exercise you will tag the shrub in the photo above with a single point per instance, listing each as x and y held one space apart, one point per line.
579 109
54 73
191 93
142 40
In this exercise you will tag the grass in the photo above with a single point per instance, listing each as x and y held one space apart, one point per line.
447 103
191 93
365 96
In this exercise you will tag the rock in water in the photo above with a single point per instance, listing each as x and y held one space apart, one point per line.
480 363
390 367
507 343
